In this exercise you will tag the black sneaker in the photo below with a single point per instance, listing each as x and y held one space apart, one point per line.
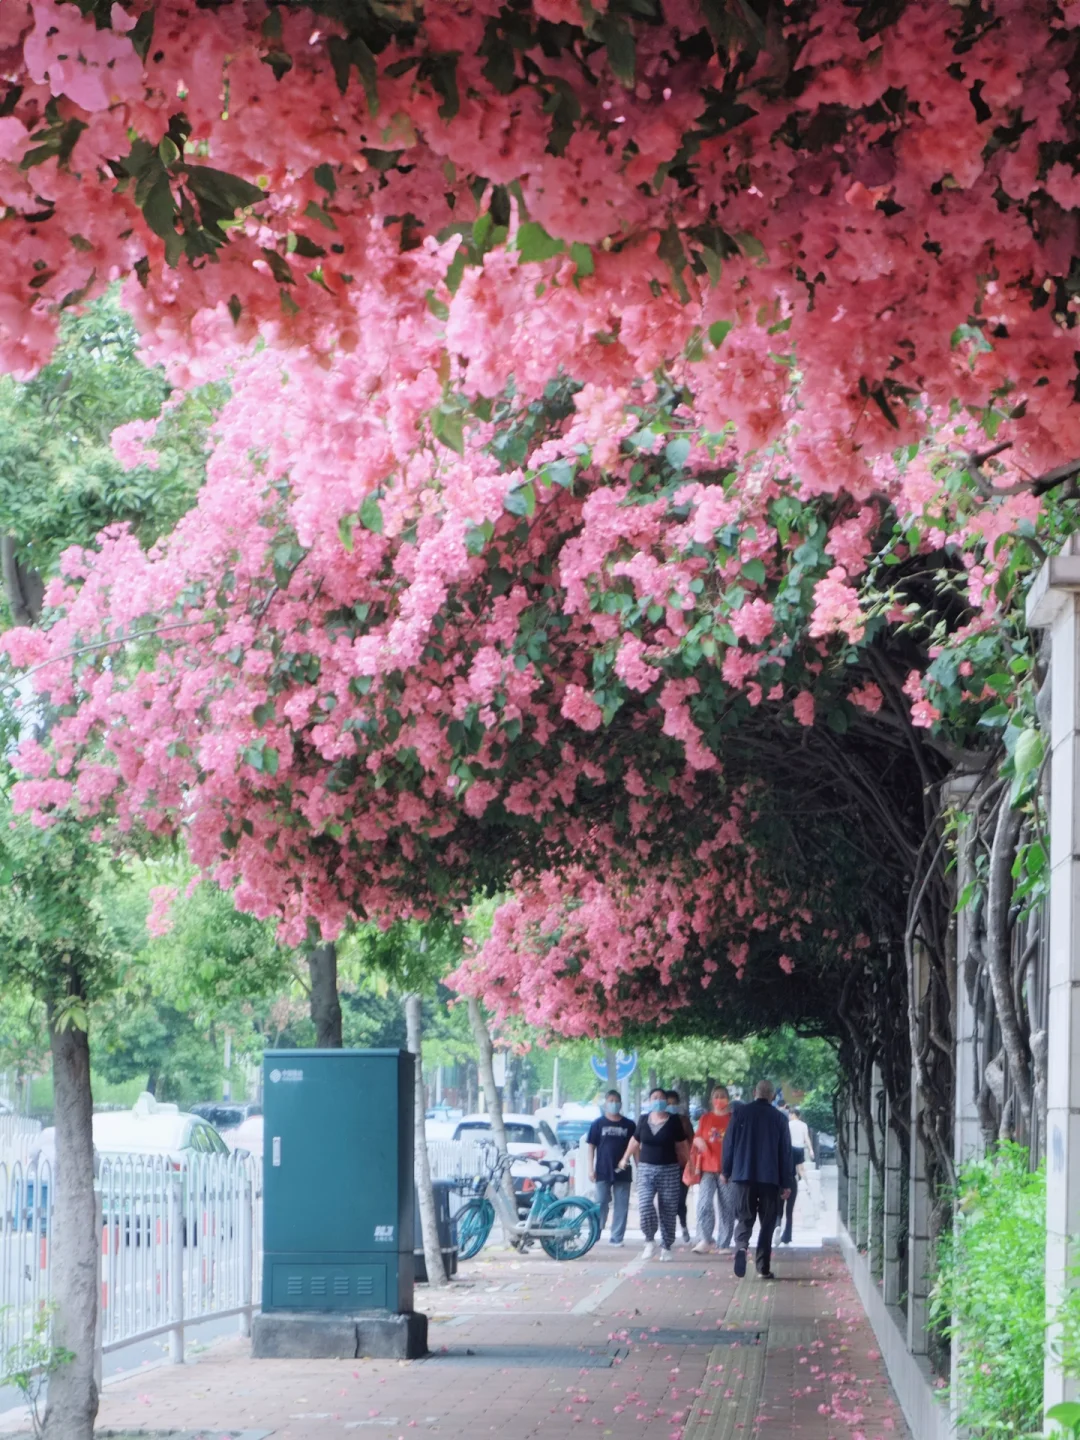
740 1263
766 1275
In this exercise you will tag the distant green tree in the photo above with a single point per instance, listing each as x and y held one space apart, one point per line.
60 482
215 970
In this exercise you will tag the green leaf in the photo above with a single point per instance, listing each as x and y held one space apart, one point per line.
534 243
755 570
323 175
263 714
436 306
618 40
317 212
749 244
1067 1413
677 451
719 331
345 531
559 472
279 267
1028 755
521 501
270 760
371 516
671 251
446 426
582 257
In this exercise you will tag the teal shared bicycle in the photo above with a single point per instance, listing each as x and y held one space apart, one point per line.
566 1228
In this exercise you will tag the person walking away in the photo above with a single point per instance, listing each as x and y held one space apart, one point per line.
800 1148
661 1148
715 1202
608 1137
757 1162
675 1107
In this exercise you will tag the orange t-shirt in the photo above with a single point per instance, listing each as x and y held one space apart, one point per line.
712 1128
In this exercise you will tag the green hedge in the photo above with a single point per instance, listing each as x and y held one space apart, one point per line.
990 1293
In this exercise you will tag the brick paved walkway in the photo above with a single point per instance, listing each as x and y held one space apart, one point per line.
534 1350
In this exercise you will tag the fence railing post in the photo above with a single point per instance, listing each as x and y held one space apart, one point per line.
176 1269
99 1317
247 1258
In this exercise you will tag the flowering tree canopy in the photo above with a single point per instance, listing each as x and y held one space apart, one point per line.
643 395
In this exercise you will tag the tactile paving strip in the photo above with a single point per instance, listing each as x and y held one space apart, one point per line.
560 1357
719 1417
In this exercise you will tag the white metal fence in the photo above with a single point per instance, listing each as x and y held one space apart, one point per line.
25 1259
181 1243
454 1159
18 1136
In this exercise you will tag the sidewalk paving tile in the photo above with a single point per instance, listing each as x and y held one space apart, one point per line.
670 1352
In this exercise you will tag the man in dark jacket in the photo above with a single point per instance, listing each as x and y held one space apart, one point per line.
758 1163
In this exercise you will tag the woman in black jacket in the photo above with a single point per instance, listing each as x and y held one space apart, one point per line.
657 1145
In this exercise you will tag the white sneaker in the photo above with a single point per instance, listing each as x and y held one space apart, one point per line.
614 1242
665 1254
649 1251
702 1247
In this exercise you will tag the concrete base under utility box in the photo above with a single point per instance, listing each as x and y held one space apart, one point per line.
308 1335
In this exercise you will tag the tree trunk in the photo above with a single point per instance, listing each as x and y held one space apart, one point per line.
73 1392
611 1060
24 588
485 1051
425 1195
325 1005
472 1100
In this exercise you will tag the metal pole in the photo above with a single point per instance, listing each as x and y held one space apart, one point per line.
176 1269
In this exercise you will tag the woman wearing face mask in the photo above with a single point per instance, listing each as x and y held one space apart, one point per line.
713 1198
660 1146
675 1107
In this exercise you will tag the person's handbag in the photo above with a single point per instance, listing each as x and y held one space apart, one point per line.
692 1169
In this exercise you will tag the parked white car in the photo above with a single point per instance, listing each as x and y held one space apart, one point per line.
528 1139
148 1128
248 1135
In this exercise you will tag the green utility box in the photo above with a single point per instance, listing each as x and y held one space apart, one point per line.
338 1181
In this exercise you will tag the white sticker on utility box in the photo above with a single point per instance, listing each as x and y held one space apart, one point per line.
286 1076
384 1234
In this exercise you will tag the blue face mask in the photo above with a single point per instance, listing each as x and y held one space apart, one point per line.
658 1107
612 1107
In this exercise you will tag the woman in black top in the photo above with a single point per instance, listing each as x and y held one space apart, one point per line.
675 1106
656 1144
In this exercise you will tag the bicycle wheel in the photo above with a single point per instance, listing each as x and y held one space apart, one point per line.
579 1223
474 1221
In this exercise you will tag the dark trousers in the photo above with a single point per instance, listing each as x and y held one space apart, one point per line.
786 1211
684 1190
756 1202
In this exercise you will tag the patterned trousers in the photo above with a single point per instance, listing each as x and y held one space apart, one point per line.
658 1186
715 1211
